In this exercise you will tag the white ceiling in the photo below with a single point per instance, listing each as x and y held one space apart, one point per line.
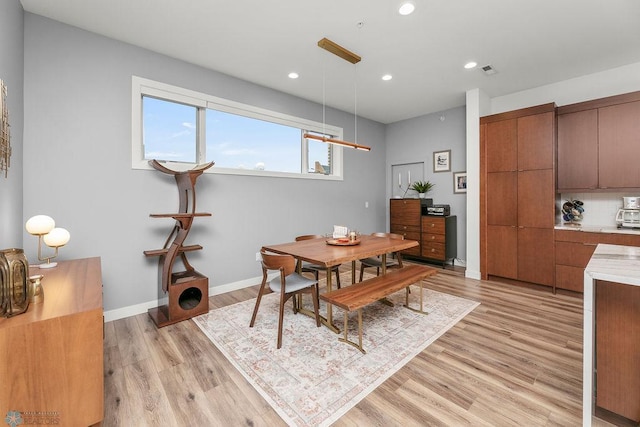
529 43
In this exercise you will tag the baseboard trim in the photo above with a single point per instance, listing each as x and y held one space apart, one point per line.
472 274
134 310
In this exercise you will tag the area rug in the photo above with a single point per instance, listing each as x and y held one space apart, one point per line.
314 378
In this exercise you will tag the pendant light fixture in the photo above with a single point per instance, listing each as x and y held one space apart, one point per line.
351 57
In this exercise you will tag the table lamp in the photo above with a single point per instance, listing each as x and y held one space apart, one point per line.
45 228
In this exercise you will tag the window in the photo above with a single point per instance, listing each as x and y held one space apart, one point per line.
184 128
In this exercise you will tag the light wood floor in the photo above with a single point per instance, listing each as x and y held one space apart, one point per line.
516 360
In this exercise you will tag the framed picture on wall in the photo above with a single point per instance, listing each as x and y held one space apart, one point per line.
442 161
460 182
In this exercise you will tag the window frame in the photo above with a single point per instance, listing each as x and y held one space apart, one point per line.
144 87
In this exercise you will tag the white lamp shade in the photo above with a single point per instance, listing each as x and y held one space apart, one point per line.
57 237
40 224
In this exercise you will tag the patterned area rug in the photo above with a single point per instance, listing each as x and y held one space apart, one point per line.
314 378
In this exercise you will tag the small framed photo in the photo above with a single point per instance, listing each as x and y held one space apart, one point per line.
460 182
442 161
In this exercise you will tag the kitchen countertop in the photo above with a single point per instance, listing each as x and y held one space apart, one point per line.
615 263
598 229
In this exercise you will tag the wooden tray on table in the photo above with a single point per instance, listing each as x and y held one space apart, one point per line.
343 242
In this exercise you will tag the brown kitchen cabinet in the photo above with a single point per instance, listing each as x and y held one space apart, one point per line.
518 195
574 248
617 348
619 139
595 139
578 150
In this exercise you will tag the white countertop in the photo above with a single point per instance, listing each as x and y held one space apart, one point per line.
615 263
598 229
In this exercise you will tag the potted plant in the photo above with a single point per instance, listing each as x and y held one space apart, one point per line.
422 187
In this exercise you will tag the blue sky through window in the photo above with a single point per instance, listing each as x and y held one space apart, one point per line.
169 130
232 141
239 142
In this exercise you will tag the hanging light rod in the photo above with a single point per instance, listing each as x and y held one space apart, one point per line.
338 50
351 57
337 141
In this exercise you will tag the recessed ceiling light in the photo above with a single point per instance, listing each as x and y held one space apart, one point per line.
293 75
470 65
387 77
406 8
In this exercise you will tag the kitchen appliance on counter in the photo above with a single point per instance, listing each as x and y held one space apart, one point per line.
629 215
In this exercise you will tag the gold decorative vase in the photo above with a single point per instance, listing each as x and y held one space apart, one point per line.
4 285
36 292
16 286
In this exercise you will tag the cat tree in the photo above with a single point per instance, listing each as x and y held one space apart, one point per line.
188 290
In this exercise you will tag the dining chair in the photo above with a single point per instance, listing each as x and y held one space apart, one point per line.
394 260
307 267
288 283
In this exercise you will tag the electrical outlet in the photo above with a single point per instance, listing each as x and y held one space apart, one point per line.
366 205
258 257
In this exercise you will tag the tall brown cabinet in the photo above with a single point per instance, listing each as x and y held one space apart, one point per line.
518 195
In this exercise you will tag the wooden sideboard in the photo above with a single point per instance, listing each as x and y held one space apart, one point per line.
436 234
51 356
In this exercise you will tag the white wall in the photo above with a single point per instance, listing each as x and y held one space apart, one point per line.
477 106
593 86
78 153
11 72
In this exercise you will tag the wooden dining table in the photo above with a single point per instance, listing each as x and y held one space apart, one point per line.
320 252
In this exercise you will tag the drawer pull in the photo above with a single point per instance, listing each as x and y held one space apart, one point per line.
433 250
433 237
432 224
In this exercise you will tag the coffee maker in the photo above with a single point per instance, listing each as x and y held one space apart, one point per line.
629 215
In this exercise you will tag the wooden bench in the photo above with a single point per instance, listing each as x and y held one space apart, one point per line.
359 295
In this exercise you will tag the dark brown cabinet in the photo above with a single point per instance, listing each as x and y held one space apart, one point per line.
617 313
405 220
437 235
439 238
573 249
578 150
518 195
619 141
597 141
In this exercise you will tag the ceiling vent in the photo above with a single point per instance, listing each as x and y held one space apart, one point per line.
489 70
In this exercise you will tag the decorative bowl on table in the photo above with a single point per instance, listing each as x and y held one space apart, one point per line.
343 241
